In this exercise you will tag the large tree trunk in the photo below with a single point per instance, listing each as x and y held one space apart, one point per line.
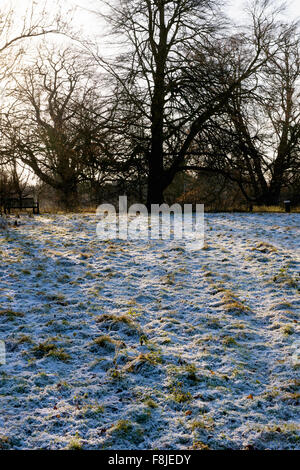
155 192
156 155
271 196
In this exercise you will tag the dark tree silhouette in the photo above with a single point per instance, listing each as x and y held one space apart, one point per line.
178 71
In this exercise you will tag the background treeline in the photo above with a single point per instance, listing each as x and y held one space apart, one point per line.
184 106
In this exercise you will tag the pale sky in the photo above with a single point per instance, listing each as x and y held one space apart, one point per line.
91 25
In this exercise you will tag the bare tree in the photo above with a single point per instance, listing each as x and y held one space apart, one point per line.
56 122
177 71
14 31
255 143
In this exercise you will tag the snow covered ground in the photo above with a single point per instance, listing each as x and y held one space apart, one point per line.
150 344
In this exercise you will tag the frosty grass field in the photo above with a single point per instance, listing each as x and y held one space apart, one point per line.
149 344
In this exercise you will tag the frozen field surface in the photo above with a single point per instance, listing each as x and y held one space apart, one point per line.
150 344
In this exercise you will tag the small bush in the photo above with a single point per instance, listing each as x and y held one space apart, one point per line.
75 443
48 349
107 342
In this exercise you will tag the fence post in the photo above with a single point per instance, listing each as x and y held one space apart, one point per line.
287 205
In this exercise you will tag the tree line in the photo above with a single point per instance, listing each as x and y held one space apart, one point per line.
183 92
